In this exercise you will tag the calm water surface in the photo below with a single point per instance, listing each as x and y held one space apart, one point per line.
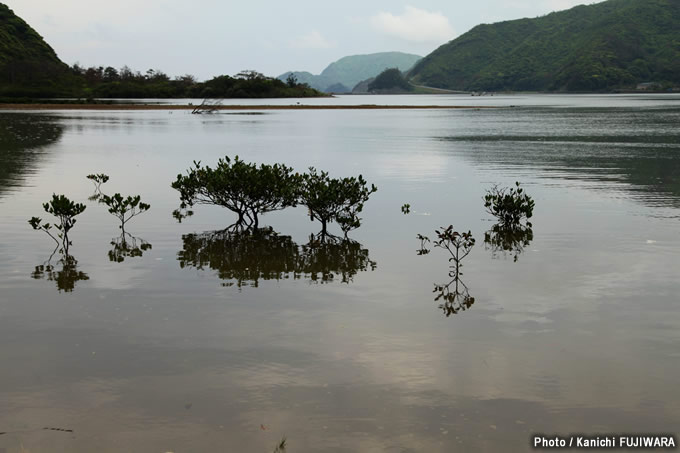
193 340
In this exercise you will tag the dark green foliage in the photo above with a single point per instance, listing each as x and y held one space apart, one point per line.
253 85
103 82
124 208
97 179
334 200
65 211
609 45
29 67
423 239
391 80
510 205
244 188
406 208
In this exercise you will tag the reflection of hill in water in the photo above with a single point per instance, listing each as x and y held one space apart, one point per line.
245 257
22 137
633 151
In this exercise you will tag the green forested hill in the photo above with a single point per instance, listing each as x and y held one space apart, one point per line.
29 68
609 45
28 65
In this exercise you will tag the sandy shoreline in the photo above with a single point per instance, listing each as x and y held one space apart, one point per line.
228 107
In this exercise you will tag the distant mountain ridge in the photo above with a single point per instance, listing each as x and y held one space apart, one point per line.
350 70
609 45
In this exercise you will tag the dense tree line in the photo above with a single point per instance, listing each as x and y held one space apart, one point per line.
109 82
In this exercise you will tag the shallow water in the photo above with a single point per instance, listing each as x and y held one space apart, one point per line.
209 342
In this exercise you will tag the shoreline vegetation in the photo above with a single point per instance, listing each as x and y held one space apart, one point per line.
170 107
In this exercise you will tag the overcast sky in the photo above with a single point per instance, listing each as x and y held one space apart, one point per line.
211 37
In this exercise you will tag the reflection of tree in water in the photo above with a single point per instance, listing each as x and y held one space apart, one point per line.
64 272
324 257
127 246
455 296
246 256
21 138
508 240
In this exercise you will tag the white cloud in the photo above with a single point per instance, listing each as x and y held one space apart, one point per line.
312 40
415 25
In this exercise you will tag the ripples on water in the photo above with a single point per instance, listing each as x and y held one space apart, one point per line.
624 150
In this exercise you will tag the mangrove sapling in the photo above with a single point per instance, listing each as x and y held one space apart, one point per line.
510 205
124 208
423 239
459 245
406 208
334 200
241 187
97 179
65 211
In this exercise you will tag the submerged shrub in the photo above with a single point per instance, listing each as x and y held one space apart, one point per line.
334 200
65 211
124 208
244 188
510 205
